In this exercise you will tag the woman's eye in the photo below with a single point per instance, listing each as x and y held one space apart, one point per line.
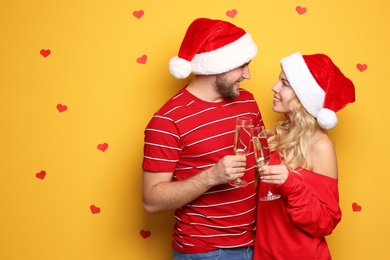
285 83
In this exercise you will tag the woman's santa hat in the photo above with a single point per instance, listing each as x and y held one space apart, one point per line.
212 47
320 86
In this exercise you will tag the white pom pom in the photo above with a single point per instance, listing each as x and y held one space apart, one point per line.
180 68
327 118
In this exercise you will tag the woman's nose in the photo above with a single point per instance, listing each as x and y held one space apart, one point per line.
276 86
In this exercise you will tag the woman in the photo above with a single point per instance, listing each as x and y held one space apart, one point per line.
303 165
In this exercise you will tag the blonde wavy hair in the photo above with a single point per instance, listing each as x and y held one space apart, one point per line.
290 137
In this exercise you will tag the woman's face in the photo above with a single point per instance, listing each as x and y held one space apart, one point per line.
283 93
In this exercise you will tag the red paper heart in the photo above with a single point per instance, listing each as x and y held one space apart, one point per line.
61 108
138 14
41 175
94 209
45 53
231 13
361 67
145 233
356 207
102 147
300 10
142 59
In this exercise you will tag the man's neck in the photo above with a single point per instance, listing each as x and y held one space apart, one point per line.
204 88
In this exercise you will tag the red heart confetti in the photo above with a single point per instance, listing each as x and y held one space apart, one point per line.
361 67
356 207
300 10
61 108
145 233
231 13
138 14
41 175
102 147
94 209
142 59
45 53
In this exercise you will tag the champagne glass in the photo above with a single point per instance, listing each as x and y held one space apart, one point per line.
242 143
262 156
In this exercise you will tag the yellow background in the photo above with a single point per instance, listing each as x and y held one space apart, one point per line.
93 70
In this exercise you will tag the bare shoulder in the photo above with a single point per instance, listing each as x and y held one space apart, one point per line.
322 155
321 143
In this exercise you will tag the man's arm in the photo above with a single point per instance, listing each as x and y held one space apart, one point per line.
160 193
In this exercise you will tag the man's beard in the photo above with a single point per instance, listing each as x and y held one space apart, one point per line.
225 88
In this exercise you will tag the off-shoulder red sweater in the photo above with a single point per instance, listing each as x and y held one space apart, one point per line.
295 226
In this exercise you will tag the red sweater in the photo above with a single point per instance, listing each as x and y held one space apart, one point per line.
188 135
295 226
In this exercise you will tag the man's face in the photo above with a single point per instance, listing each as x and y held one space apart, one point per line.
228 83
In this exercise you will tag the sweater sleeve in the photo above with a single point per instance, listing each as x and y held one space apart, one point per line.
312 202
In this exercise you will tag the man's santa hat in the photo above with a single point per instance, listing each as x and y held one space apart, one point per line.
320 86
212 47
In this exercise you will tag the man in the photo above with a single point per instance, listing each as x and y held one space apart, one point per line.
188 153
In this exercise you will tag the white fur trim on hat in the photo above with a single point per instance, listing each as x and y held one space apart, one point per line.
310 94
226 58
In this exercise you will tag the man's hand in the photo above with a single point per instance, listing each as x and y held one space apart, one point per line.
228 169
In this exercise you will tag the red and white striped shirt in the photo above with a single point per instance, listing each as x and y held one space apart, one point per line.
187 136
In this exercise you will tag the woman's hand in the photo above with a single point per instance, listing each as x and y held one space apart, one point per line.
274 174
